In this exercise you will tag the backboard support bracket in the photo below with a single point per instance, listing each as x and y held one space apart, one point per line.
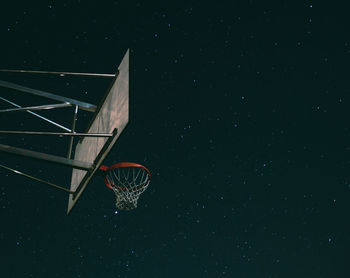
97 163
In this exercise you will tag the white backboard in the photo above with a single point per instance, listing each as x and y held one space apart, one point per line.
111 114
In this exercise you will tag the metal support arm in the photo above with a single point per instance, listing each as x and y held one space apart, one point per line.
47 157
79 134
40 107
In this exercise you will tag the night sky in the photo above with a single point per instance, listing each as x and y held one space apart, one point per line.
240 111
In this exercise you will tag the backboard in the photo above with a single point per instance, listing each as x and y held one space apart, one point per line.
111 116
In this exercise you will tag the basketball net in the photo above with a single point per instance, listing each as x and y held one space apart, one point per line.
128 181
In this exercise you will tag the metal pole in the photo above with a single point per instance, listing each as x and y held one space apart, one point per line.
73 130
79 134
60 73
47 157
37 179
40 107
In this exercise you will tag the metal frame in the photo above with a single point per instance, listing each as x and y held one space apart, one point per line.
64 102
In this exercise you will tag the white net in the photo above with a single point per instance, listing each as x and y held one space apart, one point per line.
128 183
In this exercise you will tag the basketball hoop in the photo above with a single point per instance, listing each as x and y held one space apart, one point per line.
128 181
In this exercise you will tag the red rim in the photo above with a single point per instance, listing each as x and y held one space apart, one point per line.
123 165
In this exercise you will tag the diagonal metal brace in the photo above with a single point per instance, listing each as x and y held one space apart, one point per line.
40 107
81 104
36 179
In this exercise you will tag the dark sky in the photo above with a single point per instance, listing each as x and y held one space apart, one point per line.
240 111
